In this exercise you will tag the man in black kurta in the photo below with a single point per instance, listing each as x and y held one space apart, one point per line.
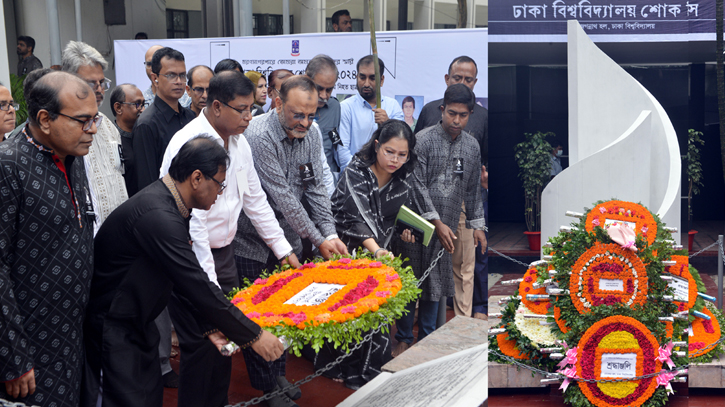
143 251
46 244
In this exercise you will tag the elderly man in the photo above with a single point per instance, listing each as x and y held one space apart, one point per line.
46 244
359 114
204 373
142 254
150 93
323 72
289 165
127 103
103 162
198 86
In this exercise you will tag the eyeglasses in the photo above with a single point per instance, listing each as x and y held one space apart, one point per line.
174 76
200 91
6 106
86 123
222 185
138 105
241 111
105 84
393 156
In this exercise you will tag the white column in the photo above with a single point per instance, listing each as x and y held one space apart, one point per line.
424 15
312 16
285 17
245 19
54 31
79 25
4 63
381 14
471 22
237 17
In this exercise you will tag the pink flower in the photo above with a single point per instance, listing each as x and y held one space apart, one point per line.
391 277
382 293
259 281
237 300
297 318
348 310
602 209
254 314
308 266
644 229
345 260
268 314
595 222
375 264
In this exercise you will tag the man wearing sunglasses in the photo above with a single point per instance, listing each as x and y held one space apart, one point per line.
198 87
103 162
225 118
128 103
46 244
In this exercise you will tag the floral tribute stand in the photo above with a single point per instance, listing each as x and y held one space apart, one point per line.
336 301
613 311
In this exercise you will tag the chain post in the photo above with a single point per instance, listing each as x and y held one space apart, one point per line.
721 259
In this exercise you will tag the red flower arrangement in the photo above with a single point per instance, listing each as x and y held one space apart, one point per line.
705 332
607 262
508 347
617 334
526 287
367 285
623 211
682 269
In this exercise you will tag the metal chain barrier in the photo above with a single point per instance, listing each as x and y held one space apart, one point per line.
5 403
335 362
712 245
722 252
507 257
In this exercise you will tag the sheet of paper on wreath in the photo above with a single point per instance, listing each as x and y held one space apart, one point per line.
336 300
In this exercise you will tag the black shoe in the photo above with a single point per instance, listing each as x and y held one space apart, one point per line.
293 393
171 380
280 401
352 385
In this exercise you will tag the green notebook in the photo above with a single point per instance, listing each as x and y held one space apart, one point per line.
421 228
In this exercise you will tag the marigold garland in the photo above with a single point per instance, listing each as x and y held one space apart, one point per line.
705 332
645 223
527 287
611 262
682 269
508 347
368 288
621 335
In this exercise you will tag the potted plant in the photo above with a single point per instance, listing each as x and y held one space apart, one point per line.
16 89
693 169
533 157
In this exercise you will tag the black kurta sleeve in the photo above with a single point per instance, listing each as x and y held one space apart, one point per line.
146 154
15 359
354 217
164 237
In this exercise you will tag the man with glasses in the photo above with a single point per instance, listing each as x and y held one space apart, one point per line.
7 112
288 159
323 71
103 162
163 118
150 93
46 244
127 103
198 86
204 372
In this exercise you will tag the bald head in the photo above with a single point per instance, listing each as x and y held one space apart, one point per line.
46 93
147 58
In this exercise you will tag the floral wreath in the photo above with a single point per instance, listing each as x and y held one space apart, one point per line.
508 347
681 269
607 262
613 212
706 332
532 329
373 293
618 335
526 287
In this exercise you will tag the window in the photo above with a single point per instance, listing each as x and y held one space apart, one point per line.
357 25
177 23
271 24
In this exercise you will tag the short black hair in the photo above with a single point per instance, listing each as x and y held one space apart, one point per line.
45 94
118 95
274 75
201 153
228 65
190 74
390 129
28 40
165 52
318 63
459 93
407 100
142 35
339 13
298 81
228 85
463 59
32 77
367 60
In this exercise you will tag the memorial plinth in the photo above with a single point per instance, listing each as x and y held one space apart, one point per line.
708 375
460 333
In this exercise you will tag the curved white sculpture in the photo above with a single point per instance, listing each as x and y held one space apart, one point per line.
621 142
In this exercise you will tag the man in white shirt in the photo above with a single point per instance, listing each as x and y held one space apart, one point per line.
204 373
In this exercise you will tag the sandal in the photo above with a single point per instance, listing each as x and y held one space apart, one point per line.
402 347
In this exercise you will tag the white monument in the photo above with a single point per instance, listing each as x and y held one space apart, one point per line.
621 143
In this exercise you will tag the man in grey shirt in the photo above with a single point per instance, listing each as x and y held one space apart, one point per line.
288 160
323 72
28 61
